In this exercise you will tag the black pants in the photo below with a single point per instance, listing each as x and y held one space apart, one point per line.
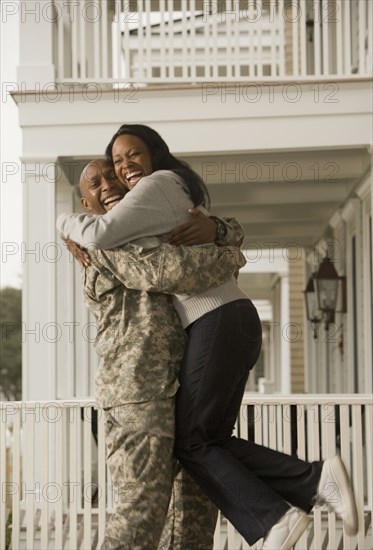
249 483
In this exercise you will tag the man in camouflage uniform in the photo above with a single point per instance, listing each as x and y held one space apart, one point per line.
140 341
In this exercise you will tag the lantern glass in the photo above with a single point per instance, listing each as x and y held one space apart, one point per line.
327 294
326 283
312 306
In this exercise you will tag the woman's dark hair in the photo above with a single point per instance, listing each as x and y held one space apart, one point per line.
163 160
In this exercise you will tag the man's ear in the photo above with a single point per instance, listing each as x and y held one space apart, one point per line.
85 204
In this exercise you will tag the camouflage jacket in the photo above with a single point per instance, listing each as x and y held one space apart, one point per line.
139 336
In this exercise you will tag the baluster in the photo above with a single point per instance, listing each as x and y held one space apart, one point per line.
281 23
329 450
184 33
273 20
345 431
58 429
347 38
104 40
171 45
339 45
60 42
316 37
303 39
141 66
81 29
325 35
16 469
192 40
74 475
97 74
358 470
126 65
313 421
362 27
369 32
148 41
74 19
259 37
295 36
4 478
237 41
162 40
45 478
101 476
88 489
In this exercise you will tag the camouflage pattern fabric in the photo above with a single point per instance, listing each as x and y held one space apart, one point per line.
139 336
235 233
140 441
191 517
141 342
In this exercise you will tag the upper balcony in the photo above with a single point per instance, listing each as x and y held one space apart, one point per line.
189 41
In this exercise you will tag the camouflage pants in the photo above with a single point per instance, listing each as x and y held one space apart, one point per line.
157 504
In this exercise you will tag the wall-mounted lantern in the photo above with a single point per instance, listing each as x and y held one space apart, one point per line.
313 312
321 295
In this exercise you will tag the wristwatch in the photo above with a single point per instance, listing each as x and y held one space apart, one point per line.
221 228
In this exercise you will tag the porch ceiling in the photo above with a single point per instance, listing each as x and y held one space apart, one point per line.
256 285
282 198
279 198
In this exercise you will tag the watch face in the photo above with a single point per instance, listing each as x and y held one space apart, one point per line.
222 230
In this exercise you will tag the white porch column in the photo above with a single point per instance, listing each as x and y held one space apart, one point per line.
281 336
351 214
285 336
40 254
276 336
338 367
76 360
365 192
36 67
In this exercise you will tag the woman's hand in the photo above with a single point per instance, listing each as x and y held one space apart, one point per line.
198 230
78 252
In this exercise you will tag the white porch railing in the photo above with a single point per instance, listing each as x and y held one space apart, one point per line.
189 41
54 487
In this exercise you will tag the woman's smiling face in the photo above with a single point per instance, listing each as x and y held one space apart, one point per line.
132 160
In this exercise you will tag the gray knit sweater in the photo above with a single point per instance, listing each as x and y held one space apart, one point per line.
154 207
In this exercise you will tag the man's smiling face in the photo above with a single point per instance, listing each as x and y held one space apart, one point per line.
132 159
100 188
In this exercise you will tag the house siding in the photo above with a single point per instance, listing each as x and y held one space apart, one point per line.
297 284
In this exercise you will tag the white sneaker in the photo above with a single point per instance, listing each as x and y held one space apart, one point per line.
335 490
287 531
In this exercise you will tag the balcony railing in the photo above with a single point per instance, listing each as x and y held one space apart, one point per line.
190 41
56 492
